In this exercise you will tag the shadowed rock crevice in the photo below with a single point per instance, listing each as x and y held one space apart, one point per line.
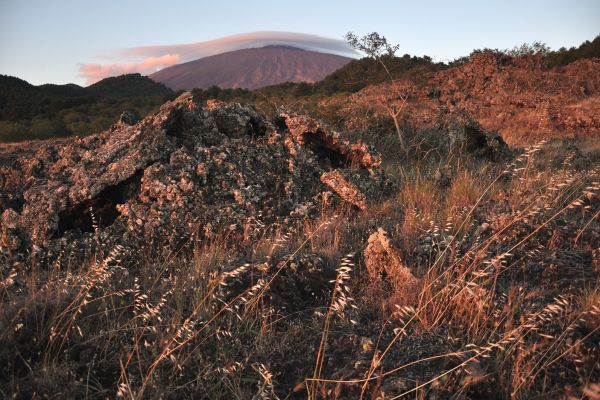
100 209
7 200
320 147
175 125
475 139
255 127
464 132
325 142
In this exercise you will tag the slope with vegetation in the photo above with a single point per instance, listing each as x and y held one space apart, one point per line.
352 77
36 112
205 253
525 93
520 97
209 251
47 111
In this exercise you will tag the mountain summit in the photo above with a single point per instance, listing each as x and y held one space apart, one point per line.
251 68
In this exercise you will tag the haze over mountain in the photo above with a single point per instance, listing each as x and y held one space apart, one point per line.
251 68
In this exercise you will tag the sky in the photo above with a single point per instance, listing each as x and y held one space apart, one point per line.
77 41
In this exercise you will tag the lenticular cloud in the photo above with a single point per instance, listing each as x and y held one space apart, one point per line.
149 59
95 72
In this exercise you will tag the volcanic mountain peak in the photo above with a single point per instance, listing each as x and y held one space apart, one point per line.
252 68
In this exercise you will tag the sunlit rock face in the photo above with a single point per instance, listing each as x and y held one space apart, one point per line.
186 171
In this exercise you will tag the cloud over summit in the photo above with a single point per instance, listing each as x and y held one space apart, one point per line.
149 59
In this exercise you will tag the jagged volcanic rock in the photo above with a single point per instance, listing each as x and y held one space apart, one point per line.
346 190
383 259
184 171
520 97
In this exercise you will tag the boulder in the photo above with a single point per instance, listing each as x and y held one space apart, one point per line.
330 144
185 171
345 189
467 134
384 261
128 118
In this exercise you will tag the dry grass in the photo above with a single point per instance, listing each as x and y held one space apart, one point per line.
507 308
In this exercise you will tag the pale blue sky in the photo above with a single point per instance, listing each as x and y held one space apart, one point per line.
46 41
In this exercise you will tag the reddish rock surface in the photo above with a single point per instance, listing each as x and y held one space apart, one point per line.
346 190
520 97
383 260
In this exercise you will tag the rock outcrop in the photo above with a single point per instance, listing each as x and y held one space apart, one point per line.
346 190
384 261
468 135
521 97
186 171
310 132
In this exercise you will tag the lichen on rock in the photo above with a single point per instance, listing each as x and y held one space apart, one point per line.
185 171
345 189
384 261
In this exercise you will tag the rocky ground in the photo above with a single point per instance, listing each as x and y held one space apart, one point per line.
208 252
186 171
521 97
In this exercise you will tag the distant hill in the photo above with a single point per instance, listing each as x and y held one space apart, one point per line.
251 68
34 112
21 100
130 85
